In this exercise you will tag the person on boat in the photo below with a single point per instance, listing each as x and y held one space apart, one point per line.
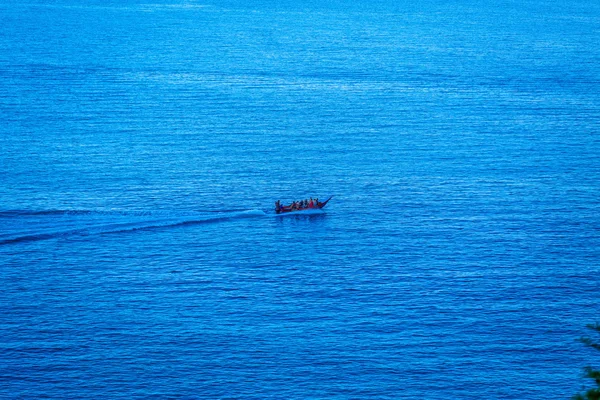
278 206
311 204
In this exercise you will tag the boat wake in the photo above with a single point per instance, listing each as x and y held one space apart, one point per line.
26 226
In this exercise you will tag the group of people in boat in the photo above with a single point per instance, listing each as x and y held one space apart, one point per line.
298 205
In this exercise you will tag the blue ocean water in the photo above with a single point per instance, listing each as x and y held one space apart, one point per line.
144 144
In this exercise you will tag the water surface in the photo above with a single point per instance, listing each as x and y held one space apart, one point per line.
143 146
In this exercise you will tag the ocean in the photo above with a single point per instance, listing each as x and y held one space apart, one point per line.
142 148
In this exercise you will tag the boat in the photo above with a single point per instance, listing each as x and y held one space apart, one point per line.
281 209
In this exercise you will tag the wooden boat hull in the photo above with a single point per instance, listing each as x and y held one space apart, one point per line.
287 210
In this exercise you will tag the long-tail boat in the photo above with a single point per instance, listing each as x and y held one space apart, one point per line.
280 208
